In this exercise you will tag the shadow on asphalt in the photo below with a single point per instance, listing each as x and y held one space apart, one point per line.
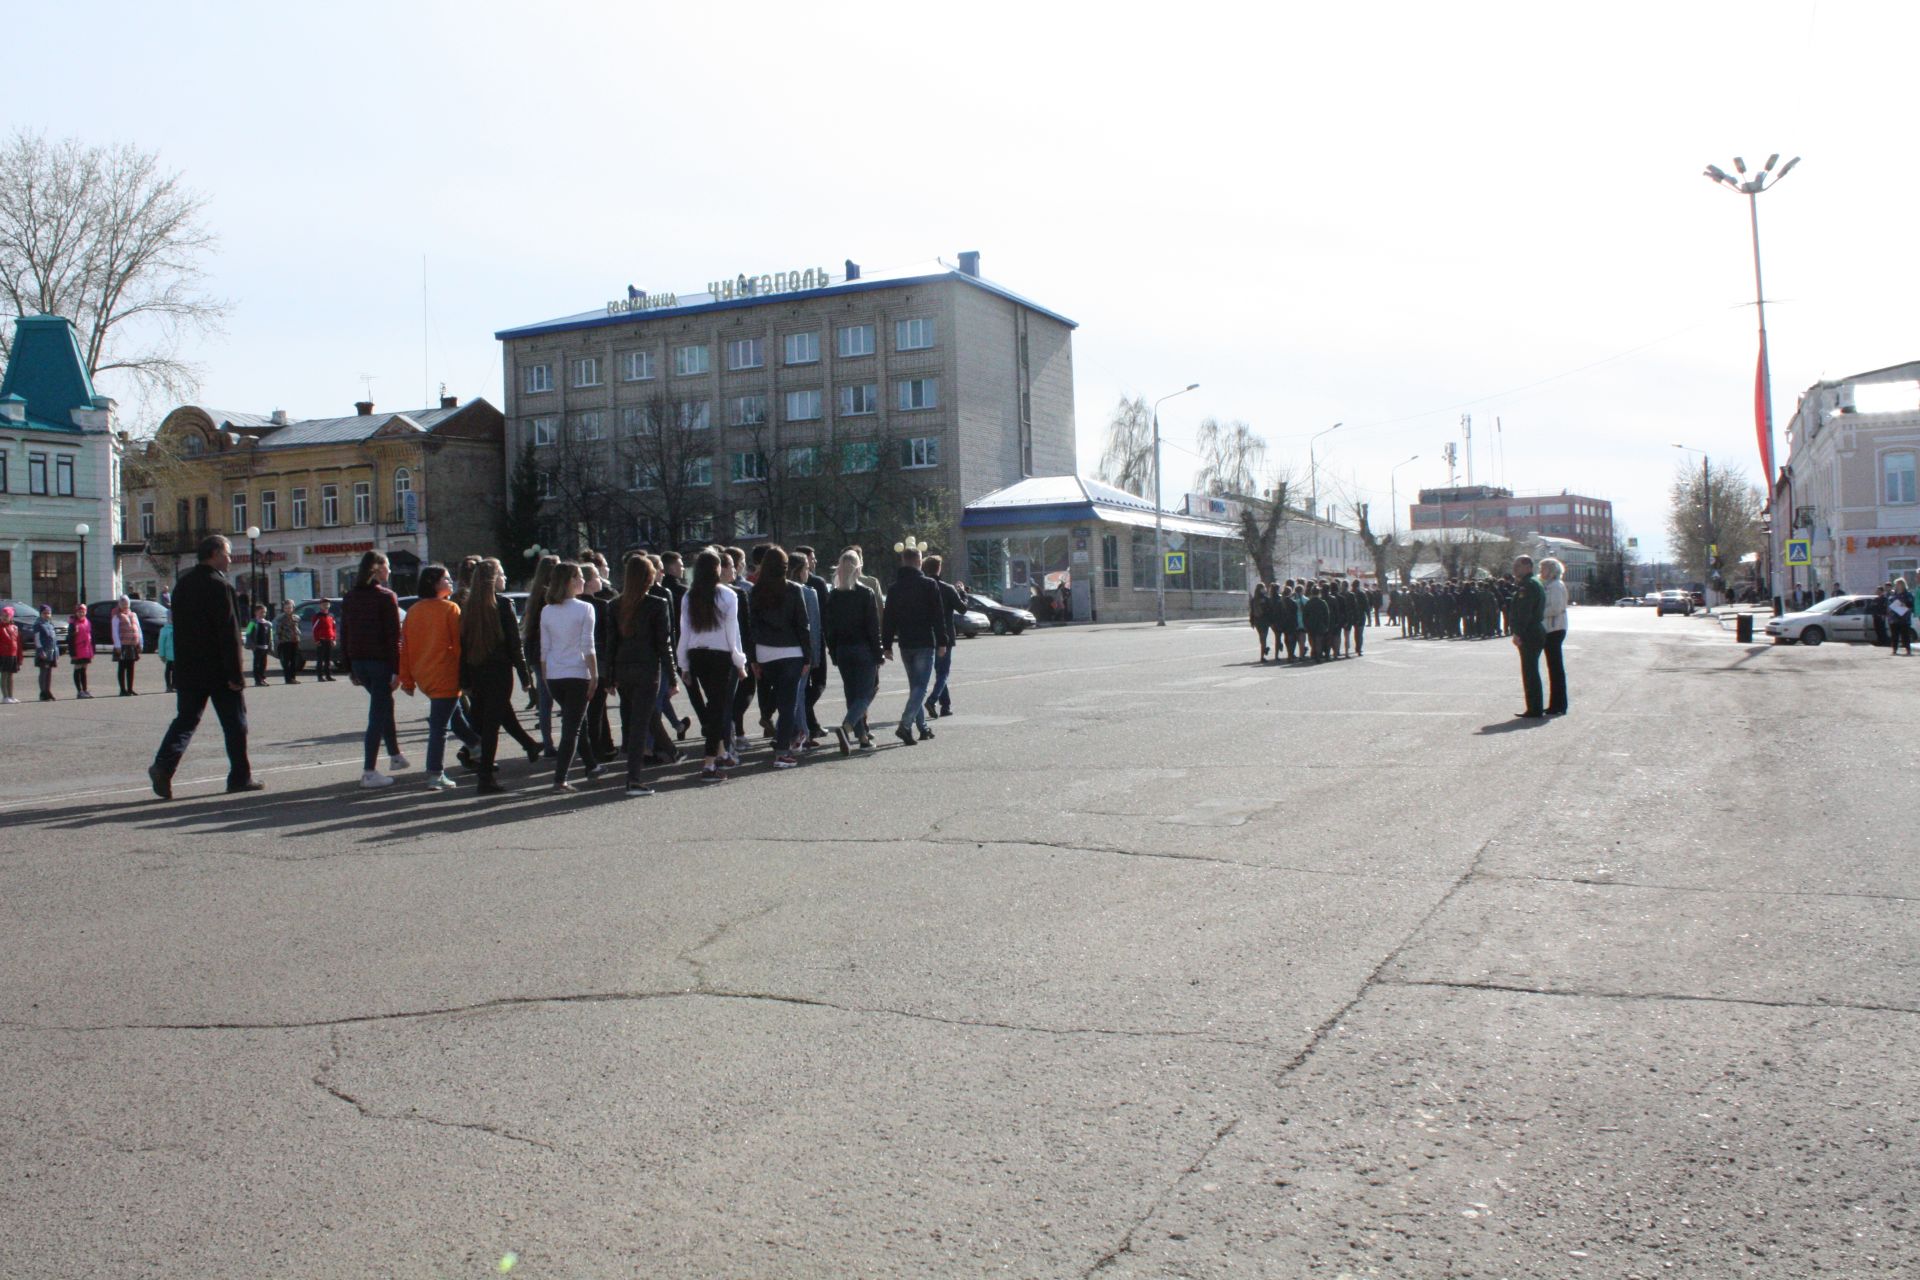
1510 725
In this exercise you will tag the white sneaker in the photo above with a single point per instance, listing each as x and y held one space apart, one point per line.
374 778
441 782
397 762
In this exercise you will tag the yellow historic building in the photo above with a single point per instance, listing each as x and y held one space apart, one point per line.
302 500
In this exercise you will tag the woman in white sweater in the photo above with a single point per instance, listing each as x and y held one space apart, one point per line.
709 655
568 657
1552 574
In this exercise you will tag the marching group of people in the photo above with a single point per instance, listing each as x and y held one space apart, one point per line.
122 638
1310 621
743 630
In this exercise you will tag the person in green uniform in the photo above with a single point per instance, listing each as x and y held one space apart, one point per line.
1529 615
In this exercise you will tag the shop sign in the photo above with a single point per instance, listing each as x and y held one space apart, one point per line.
1890 540
339 548
762 285
638 301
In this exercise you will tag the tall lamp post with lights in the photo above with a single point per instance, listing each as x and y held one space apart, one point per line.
1313 468
1750 186
1159 528
81 531
253 565
1393 493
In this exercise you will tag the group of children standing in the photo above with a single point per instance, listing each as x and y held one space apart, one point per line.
124 639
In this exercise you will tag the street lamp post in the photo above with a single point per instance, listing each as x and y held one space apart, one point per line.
1313 468
253 563
1393 493
1751 186
81 531
1159 528
1706 497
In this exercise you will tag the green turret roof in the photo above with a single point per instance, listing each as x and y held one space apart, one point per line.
47 370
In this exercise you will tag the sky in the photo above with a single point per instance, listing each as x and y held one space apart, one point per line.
1385 216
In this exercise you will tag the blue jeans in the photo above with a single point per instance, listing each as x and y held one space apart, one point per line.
190 703
376 678
919 665
543 708
789 693
942 665
860 678
440 712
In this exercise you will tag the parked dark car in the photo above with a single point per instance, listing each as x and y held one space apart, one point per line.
25 615
1005 619
152 615
307 610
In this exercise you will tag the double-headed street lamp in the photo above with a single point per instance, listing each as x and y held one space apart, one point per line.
1750 186
1393 494
1313 469
1159 530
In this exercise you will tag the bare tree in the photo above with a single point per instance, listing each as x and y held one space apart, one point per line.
1720 509
1260 528
107 238
1128 461
1405 558
1231 457
1381 549
664 465
586 505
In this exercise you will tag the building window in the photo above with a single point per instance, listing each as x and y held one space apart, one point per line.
537 378
750 522
745 468
855 340
586 371
180 515
193 446
698 472
747 411
806 518
239 513
859 456
643 476
363 502
545 431
1898 469
297 508
146 519
200 522
63 475
269 509
695 415
329 505
926 508
587 426
803 406
919 393
921 451
857 401
402 486
699 529
803 461
3 471
1109 560
688 361
37 473
912 335
746 353
803 348
543 483
637 366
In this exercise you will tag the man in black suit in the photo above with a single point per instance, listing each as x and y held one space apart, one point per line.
1528 614
206 668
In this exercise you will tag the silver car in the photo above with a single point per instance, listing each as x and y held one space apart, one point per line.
1836 618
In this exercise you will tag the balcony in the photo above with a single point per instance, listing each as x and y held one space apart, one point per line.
181 542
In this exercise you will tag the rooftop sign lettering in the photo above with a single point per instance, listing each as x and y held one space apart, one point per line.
742 286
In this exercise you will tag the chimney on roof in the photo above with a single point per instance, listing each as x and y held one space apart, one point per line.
279 418
449 402
970 262
364 408
853 269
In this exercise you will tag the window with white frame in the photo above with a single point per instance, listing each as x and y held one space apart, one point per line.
269 509
329 505
545 430
750 522
926 507
239 513
803 461
746 467
859 456
587 426
1897 468
920 451
803 348
637 366
362 502
586 371
913 335
855 340
543 483
860 399
803 406
746 353
193 445
643 475
688 361
698 472
747 411
146 519
402 486
297 507
536 378
919 393
696 415
640 420
699 528
806 518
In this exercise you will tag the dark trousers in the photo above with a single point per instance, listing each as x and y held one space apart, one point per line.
744 688
602 728
1359 639
231 706
1261 627
124 674
491 696
1556 673
289 662
1530 651
713 674
80 666
639 715
572 697
259 666
781 679
816 685
323 659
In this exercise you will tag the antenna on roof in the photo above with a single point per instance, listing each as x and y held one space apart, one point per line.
366 380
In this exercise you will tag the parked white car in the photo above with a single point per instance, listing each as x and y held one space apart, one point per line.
1836 618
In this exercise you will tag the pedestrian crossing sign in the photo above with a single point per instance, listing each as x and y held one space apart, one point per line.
1176 562
1799 551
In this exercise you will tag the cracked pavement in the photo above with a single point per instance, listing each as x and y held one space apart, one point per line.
1154 963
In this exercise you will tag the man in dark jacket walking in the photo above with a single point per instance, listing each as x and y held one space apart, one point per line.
1528 617
206 668
917 618
939 701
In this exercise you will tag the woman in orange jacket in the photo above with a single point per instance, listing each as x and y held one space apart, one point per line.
430 662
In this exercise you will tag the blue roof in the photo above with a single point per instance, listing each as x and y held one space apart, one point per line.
699 303
47 370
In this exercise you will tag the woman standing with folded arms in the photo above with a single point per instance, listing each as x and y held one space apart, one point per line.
710 655
1552 574
570 659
